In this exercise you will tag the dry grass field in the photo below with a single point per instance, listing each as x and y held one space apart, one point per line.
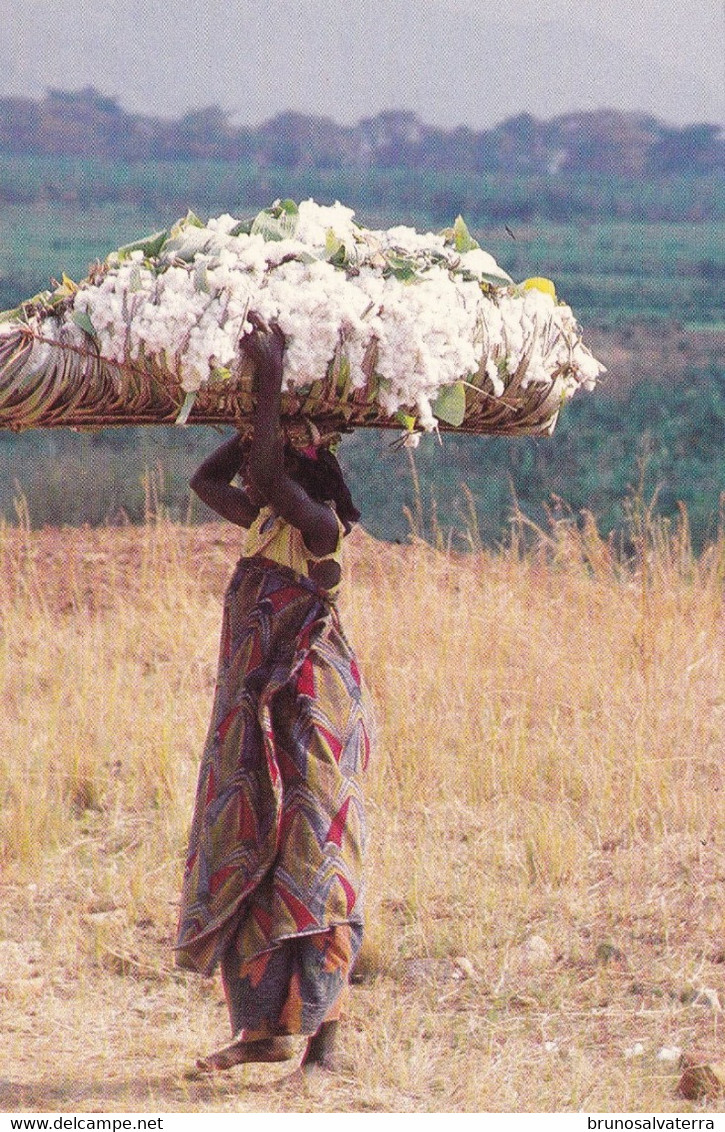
546 806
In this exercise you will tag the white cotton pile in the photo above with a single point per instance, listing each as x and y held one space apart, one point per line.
437 308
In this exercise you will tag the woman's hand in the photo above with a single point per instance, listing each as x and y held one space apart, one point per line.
265 345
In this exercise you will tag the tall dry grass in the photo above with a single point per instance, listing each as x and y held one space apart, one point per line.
545 910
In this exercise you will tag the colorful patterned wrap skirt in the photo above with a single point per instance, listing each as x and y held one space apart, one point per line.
273 885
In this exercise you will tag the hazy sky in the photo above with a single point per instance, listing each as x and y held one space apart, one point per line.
453 62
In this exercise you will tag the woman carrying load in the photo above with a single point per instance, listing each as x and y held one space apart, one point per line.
272 889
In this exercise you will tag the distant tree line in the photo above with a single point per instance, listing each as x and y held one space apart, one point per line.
608 142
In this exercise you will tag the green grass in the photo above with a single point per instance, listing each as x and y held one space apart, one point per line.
40 241
625 270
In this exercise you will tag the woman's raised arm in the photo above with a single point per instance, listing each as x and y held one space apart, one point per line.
212 482
267 470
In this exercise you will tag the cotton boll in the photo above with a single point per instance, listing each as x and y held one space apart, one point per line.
587 367
222 224
429 332
408 240
426 419
193 371
41 351
425 333
278 250
495 378
315 220
244 254
481 263
314 307
537 304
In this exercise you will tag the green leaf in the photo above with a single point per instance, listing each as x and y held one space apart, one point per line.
82 319
186 408
149 245
463 241
201 277
334 249
344 379
501 280
401 268
271 227
450 405
185 245
191 220
278 222
459 237
28 307
312 396
134 281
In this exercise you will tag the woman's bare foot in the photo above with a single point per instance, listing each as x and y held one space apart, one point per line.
241 1053
321 1050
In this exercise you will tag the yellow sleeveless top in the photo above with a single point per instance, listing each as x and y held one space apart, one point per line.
271 536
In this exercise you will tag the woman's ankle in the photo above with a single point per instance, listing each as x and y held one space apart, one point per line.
321 1047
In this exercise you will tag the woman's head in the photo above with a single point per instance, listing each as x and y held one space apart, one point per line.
321 477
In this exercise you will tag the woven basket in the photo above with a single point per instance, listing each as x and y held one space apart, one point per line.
54 383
